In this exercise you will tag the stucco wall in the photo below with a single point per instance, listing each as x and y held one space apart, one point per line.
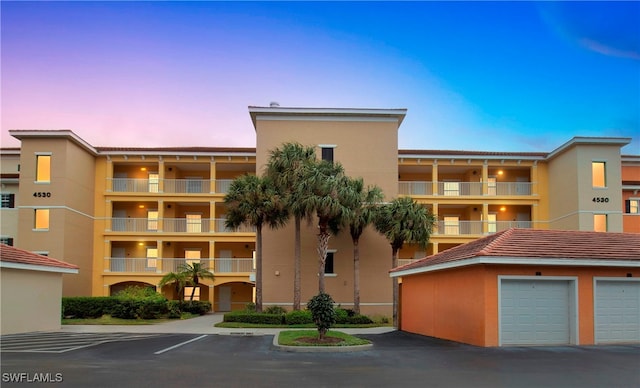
31 300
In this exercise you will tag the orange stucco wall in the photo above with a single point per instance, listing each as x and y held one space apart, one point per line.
462 304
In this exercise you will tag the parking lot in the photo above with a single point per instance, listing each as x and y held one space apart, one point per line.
397 359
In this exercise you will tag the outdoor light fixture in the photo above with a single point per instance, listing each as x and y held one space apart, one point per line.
500 172
503 208
143 169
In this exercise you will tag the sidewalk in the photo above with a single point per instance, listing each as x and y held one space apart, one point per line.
200 325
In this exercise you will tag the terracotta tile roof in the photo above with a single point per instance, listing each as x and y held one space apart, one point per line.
9 254
540 244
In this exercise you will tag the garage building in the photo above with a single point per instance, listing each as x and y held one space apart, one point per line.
527 287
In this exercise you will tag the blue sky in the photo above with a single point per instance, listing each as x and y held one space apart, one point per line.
505 76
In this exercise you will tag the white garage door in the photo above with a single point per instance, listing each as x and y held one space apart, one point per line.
535 312
617 311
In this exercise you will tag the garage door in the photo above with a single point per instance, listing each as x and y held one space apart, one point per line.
617 311
535 312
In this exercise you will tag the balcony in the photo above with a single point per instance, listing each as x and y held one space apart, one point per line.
169 186
461 189
174 225
464 228
165 265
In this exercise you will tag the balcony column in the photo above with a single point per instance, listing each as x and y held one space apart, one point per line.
534 178
535 218
161 176
108 225
434 210
159 261
434 177
160 215
212 217
212 176
211 296
107 256
212 256
435 248
485 218
109 175
485 178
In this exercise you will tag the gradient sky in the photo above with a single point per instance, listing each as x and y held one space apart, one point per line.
507 76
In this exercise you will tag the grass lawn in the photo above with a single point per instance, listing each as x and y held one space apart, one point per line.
292 338
236 325
109 320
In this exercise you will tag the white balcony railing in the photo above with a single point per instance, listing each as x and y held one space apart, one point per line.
462 228
170 186
175 225
460 189
166 265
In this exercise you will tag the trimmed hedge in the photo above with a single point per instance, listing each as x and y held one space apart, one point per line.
87 307
298 317
199 307
253 317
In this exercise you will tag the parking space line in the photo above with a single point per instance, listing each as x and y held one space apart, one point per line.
180 344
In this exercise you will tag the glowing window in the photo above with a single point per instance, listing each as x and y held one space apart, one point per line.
152 220
152 257
600 222
598 174
43 168
195 291
41 219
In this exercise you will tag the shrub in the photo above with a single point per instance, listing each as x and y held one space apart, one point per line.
251 317
359 320
174 311
275 310
250 307
342 316
196 307
87 307
136 292
298 317
324 315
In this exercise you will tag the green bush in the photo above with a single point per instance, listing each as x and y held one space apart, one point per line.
196 307
275 310
174 311
140 303
298 317
342 316
87 307
359 320
250 307
251 317
324 315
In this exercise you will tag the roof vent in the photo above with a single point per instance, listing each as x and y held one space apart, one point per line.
274 104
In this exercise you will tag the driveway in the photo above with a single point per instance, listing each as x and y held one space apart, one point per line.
397 359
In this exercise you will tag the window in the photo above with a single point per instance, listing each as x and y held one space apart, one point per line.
6 240
328 264
598 174
632 206
452 188
152 257
194 224
154 182
188 291
492 222
41 219
600 222
492 186
327 152
452 225
192 256
152 220
7 201
43 168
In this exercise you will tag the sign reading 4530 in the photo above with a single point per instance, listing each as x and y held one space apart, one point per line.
42 194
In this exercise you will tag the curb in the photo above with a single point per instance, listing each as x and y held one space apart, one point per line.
319 349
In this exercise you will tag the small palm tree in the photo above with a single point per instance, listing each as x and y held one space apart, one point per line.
363 205
288 166
255 201
179 280
194 272
403 220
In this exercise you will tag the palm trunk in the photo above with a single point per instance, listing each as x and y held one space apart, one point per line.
259 268
356 276
193 289
296 266
394 264
323 246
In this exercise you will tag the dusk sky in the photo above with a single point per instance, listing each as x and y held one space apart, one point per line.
505 76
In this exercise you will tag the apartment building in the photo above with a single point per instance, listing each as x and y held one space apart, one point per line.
127 216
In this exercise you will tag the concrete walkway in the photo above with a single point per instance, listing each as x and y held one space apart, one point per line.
200 325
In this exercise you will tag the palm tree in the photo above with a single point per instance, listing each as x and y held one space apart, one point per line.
194 272
363 211
179 280
288 166
255 201
403 220
327 196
